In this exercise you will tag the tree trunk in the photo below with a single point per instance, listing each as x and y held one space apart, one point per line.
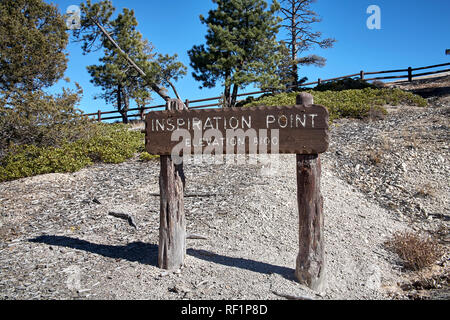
124 110
172 229
119 98
226 93
234 95
142 113
294 47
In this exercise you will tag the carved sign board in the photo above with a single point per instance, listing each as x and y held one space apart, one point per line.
256 130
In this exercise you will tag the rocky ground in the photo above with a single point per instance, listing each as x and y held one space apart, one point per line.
58 241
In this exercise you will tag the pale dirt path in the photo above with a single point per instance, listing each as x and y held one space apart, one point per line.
251 225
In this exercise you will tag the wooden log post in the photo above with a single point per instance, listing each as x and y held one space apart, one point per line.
310 268
172 229
361 75
410 76
99 116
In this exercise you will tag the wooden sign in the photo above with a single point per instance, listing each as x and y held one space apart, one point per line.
300 129
296 129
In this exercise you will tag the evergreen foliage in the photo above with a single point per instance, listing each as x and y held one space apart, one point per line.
110 144
32 58
120 82
241 47
32 45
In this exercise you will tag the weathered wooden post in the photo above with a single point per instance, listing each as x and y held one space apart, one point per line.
172 229
410 77
99 116
310 269
361 75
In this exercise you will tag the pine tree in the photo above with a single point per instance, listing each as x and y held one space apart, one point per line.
129 68
118 81
241 47
32 45
298 18
33 39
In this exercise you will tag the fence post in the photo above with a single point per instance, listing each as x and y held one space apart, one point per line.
361 75
172 228
310 268
410 74
319 81
187 103
99 115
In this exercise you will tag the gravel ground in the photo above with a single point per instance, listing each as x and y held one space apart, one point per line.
57 240
55 231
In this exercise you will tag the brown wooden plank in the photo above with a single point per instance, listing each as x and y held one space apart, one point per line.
388 77
387 71
429 73
433 66
302 129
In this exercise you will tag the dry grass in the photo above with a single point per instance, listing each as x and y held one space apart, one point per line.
375 114
375 157
416 252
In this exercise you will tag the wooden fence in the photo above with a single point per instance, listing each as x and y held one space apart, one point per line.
407 73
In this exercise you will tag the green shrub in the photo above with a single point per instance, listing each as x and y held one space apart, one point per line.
114 144
36 118
356 103
344 84
145 157
110 144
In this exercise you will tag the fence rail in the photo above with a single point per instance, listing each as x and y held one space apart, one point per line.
409 74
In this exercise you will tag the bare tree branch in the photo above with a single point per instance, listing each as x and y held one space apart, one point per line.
155 87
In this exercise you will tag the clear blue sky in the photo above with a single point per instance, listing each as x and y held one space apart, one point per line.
413 33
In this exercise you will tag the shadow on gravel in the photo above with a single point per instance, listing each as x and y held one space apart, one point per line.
144 253
252 265
432 92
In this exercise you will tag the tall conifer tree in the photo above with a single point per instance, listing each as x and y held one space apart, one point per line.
119 80
241 47
32 45
298 18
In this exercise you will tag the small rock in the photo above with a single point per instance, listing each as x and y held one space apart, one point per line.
179 288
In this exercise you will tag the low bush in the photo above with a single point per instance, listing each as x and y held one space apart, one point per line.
344 84
111 143
145 157
43 120
416 252
356 103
